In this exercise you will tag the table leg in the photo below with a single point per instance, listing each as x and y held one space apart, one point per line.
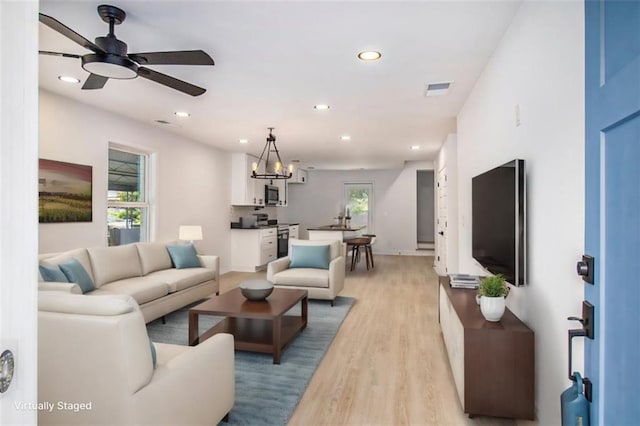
371 253
304 313
277 334
193 329
353 257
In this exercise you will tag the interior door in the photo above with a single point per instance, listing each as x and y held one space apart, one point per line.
612 234
441 256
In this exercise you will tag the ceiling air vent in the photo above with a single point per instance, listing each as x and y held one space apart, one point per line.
162 121
437 89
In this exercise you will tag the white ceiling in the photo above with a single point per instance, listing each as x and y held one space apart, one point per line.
276 60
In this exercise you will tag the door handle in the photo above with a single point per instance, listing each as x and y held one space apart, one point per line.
441 233
6 370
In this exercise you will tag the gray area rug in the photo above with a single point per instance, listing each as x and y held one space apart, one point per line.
267 394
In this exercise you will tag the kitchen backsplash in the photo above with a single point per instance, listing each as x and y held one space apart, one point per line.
237 211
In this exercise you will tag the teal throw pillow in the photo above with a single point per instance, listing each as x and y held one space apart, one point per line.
316 257
52 273
75 273
154 355
184 256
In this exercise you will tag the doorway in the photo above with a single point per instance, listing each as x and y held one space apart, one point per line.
425 210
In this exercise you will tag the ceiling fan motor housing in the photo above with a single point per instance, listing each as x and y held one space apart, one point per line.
111 44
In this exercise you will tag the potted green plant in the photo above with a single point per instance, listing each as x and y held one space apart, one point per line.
493 291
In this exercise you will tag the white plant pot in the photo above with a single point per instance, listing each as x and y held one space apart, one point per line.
492 308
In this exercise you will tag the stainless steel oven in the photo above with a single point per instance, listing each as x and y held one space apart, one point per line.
283 241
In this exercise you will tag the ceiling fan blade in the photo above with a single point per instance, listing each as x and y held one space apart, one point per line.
94 81
64 55
180 57
174 83
58 26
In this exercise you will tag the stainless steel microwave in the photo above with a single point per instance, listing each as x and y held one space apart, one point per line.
271 195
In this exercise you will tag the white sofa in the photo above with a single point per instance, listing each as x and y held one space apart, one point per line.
323 284
143 271
95 367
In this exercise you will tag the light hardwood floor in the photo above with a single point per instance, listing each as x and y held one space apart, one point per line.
387 365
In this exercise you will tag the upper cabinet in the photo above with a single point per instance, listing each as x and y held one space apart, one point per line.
299 175
245 191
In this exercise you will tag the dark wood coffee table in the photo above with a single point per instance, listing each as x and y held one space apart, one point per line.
256 326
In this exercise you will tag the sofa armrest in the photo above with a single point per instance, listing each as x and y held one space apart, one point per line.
195 387
277 266
211 262
336 274
59 286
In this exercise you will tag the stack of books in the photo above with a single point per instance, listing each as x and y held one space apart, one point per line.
464 281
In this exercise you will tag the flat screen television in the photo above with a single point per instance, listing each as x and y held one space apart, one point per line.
499 234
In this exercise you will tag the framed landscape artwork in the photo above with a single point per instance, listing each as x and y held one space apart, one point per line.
64 191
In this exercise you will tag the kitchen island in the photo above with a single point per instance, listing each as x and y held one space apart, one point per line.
334 232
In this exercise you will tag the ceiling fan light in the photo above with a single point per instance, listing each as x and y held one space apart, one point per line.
111 66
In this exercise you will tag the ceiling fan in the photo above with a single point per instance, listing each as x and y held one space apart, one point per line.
111 60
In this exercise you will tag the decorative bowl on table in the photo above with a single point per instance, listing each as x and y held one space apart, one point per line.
256 289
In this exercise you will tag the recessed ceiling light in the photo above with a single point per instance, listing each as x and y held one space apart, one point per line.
68 79
321 106
182 114
415 147
369 55
345 138
243 141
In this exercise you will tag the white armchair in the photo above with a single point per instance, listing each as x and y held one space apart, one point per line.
323 284
94 355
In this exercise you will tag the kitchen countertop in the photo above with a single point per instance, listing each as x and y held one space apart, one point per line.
334 228
236 225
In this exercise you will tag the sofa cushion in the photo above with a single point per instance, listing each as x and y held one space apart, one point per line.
184 256
179 279
310 256
52 274
75 273
58 258
304 277
153 257
114 263
142 289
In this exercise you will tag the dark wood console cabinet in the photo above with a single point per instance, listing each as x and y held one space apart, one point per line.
492 362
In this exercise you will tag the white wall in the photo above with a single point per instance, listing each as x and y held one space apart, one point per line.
395 223
18 208
538 65
192 179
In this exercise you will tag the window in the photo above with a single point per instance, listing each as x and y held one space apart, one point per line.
359 202
127 202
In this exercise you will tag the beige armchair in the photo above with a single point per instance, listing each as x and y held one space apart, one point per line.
323 284
95 367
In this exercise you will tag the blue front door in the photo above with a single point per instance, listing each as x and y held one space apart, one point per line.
612 198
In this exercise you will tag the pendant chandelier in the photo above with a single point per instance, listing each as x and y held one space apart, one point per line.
270 166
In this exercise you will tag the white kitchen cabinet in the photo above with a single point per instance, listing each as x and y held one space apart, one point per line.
299 175
252 249
245 191
294 231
